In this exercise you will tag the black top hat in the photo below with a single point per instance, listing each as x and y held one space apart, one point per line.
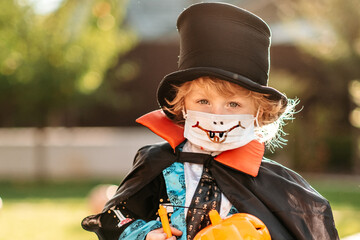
222 41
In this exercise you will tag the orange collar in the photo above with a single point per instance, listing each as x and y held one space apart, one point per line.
246 159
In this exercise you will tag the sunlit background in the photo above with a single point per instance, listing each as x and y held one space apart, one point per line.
75 74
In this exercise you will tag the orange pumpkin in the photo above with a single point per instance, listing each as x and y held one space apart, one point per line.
240 226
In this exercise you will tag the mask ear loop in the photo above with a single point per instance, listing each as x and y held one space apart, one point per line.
184 113
257 118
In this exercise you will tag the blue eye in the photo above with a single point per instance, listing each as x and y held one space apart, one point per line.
234 104
203 101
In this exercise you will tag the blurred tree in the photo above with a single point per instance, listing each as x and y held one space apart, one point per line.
55 63
333 37
52 65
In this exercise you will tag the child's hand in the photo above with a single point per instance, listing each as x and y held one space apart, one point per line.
158 234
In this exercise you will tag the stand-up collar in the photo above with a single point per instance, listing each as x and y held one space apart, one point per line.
246 159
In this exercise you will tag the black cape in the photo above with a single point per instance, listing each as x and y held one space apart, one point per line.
282 199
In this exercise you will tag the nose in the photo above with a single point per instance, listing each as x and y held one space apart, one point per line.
218 109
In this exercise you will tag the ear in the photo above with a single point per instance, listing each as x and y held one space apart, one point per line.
261 113
258 117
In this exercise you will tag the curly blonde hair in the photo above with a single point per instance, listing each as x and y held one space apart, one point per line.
270 110
272 113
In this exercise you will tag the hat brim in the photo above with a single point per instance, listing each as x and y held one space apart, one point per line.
167 91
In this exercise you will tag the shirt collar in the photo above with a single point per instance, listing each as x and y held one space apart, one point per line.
246 159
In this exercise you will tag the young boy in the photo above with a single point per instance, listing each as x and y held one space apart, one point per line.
216 114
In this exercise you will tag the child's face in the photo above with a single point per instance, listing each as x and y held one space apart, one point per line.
211 101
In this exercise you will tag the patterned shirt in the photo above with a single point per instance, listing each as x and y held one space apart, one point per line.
175 185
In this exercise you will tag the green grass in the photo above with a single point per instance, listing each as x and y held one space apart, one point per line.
52 190
44 211
55 219
55 210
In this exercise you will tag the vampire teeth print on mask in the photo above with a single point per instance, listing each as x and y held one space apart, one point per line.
215 132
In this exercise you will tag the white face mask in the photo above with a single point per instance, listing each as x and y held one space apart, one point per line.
214 132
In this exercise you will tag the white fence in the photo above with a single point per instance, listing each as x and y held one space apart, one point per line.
70 153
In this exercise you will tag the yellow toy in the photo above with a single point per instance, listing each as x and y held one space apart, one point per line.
240 226
164 221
